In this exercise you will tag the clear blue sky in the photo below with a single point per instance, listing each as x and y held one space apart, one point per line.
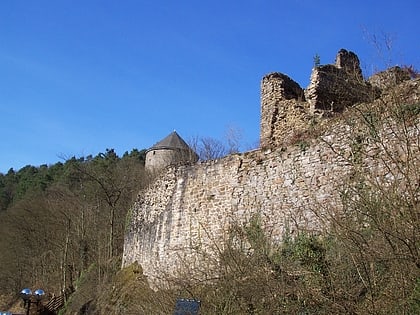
80 76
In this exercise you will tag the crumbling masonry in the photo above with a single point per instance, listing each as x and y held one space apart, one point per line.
188 210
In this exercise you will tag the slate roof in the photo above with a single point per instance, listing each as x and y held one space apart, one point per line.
172 141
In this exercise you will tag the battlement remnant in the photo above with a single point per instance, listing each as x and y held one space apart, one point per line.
279 96
287 110
348 61
280 87
335 87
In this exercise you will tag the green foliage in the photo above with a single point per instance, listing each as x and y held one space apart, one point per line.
136 155
317 60
309 251
256 237
7 187
406 112
414 299
55 220
303 145
14 186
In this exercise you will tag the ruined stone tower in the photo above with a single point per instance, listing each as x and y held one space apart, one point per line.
334 87
287 111
280 95
171 150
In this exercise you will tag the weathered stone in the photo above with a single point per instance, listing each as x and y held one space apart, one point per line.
186 213
280 98
281 87
332 89
287 111
348 61
389 78
335 87
183 219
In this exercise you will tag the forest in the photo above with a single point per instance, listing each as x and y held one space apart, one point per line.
57 220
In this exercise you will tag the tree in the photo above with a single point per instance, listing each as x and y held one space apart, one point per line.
317 60
58 220
377 228
110 182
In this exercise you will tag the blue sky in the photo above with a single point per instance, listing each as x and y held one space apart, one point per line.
78 77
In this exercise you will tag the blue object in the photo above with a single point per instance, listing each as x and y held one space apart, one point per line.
187 307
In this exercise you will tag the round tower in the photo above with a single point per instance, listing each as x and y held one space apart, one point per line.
171 150
276 90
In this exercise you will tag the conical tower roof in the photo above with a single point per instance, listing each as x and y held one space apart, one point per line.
172 141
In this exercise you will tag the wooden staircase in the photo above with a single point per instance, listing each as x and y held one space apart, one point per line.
56 303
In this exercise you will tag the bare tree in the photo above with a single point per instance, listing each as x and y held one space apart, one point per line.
233 137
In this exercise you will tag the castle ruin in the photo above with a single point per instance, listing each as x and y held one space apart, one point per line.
189 208
287 109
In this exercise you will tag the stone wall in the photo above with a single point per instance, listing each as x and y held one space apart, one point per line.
187 212
287 110
184 217
389 78
333 89
340 85
191 208
283 109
